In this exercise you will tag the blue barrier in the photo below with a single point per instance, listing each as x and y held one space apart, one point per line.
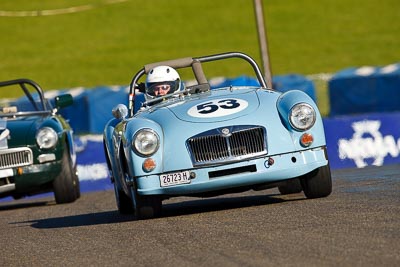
280 83
239 81
288 82
92 108
366 89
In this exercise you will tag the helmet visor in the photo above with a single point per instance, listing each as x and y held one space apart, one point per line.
162 88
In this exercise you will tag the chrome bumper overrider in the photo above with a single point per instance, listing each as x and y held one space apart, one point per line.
7 188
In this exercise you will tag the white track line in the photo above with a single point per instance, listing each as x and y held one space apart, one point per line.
68 10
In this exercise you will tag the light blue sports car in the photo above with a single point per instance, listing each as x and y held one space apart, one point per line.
201 142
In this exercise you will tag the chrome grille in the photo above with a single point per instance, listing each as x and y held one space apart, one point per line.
15 157
213 146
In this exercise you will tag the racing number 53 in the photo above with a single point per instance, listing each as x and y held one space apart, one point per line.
217 108
210 107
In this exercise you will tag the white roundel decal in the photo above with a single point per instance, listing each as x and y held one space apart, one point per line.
217 108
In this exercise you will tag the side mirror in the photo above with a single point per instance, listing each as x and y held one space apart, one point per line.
63 101
120 111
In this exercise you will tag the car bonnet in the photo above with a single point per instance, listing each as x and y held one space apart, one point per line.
218 105
18 131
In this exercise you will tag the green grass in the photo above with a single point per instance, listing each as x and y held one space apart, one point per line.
106 45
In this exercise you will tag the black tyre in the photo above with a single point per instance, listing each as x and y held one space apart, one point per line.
124 203
318 183
291 186
145 207
66 185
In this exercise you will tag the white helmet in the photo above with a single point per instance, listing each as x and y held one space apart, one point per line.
162 80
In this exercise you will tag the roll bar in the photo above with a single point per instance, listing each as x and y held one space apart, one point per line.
196 65
22 83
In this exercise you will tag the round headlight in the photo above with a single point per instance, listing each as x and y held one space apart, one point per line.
302 116
46 138
146 142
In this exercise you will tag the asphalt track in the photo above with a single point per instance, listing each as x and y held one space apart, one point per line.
358 225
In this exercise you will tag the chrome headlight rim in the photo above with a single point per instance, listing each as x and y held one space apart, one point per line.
138 138
294 112
46 138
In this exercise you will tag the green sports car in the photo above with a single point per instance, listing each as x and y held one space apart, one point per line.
36 144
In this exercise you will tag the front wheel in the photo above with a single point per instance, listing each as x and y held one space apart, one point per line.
66 185
317 183
145 207
124 203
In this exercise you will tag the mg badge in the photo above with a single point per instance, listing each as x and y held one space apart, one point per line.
226 132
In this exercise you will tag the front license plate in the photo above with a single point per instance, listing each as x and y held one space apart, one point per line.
175 178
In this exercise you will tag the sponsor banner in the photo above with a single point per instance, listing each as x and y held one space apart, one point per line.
92 168
363 140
